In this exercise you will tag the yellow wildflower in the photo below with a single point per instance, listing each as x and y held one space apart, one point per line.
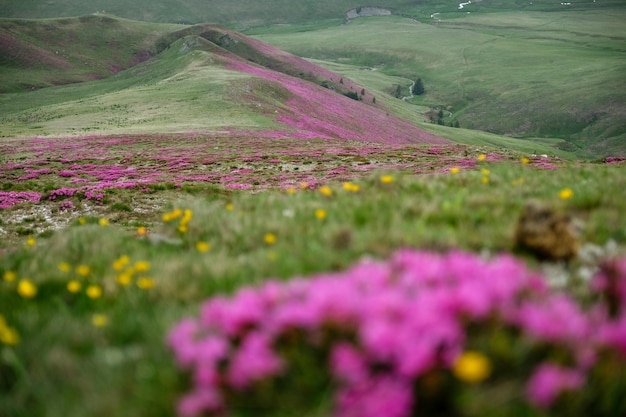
270 238
230 206
482 157
142 266
348 186
124 279
8 335
74 286
83 270
103 222
99 320
9 276
145 283
485 171
472 367
485 180
455 170
65 267
386 179
320 214
26 288
291 190
565 194
94 291
182 228
203 247
120 263
82 220
304 185
176 213
525 160
187 216
325 190
31 241
167 217
142 230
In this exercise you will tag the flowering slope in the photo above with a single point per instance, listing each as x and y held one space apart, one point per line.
389 335
86 167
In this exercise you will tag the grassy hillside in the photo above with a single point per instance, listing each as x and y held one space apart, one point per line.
36 54
243 13
210 78
198 83
522 74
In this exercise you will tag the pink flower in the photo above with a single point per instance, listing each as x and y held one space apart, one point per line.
253 361
181 339
555 319
348 363
383 396
199 402
549 380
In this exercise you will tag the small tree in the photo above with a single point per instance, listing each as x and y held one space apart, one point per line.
418 87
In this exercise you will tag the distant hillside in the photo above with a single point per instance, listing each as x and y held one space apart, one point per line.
244 13
202 77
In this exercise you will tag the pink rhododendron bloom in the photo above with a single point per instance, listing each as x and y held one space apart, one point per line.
557 319
199 402
348 363
549 380
181 339
376 397
253 360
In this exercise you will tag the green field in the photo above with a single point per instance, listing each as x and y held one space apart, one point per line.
523 74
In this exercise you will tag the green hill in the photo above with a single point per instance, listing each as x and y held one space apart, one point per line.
244 13
552 80
205 78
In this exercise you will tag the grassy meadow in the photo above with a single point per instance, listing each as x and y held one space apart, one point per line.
92 337
193 222
521 74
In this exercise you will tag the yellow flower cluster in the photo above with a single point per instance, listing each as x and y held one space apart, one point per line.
127 272
486 174
386 179
566 194
203 247
325 190
8 335
348 186
320 214
270 238
25 287
472 367
184 216
75 285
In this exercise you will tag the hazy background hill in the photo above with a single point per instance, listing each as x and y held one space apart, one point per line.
544 72
245 13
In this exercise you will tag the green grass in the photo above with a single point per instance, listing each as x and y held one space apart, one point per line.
242 13
66 366
176 91
521 74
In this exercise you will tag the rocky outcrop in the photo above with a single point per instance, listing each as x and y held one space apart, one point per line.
366 12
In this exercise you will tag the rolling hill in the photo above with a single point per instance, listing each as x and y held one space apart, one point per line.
552 79
201 77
